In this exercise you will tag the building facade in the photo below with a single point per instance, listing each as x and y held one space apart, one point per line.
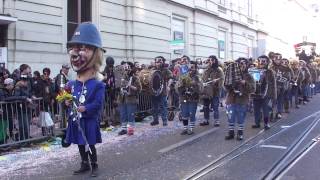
135 30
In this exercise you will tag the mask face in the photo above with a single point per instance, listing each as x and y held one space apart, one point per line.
263 62
80 56
243 66
193 69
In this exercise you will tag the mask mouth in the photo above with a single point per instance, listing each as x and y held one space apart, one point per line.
77 59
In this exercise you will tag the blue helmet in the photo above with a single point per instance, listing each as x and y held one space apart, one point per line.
88 34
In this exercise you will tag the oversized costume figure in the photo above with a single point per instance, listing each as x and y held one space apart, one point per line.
84 110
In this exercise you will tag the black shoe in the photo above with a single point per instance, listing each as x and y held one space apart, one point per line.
164 124
256 126
84 168
204 123
190 132
240 135
266 126
216 124
230 135
122 132
184 132
154 123
94 169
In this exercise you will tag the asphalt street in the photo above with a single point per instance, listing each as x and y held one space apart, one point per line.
170 155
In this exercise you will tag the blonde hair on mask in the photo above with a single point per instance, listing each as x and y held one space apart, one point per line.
96 61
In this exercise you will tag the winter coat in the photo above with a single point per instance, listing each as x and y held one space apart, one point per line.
132 96
283 76
213 89
166 74
268 81
245 90
189 92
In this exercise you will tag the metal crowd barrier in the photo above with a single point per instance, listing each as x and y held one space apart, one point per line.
22 122
111 113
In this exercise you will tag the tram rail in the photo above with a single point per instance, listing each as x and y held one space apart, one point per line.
234 154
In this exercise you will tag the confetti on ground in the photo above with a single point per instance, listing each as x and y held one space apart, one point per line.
48 152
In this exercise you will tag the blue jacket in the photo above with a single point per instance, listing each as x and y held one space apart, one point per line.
93 90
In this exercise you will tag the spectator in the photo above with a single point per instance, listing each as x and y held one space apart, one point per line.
60 81
23 93
62 78
47 90
36 83
6 115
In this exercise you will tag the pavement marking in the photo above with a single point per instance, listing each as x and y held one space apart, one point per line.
181 143
273 146
282 127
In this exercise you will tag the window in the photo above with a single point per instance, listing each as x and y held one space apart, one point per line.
78 11
222 44
250 8
178 36
3 35
250 47
222 2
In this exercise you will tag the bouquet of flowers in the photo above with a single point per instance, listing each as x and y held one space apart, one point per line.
64 95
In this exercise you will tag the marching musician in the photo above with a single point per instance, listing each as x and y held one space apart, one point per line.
317 66
236 102
306 81
160 103
296 81
213 79
128 98
314 75
265 92
283 77
189 92
287 93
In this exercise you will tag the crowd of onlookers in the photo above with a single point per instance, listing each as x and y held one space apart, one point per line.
23 95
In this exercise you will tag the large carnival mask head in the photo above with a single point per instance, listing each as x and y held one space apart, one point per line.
263 61
302 64
277 58
85 48
243 64
159 62
193 67
213 61
285 62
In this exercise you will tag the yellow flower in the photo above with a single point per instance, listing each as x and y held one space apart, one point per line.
63 96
